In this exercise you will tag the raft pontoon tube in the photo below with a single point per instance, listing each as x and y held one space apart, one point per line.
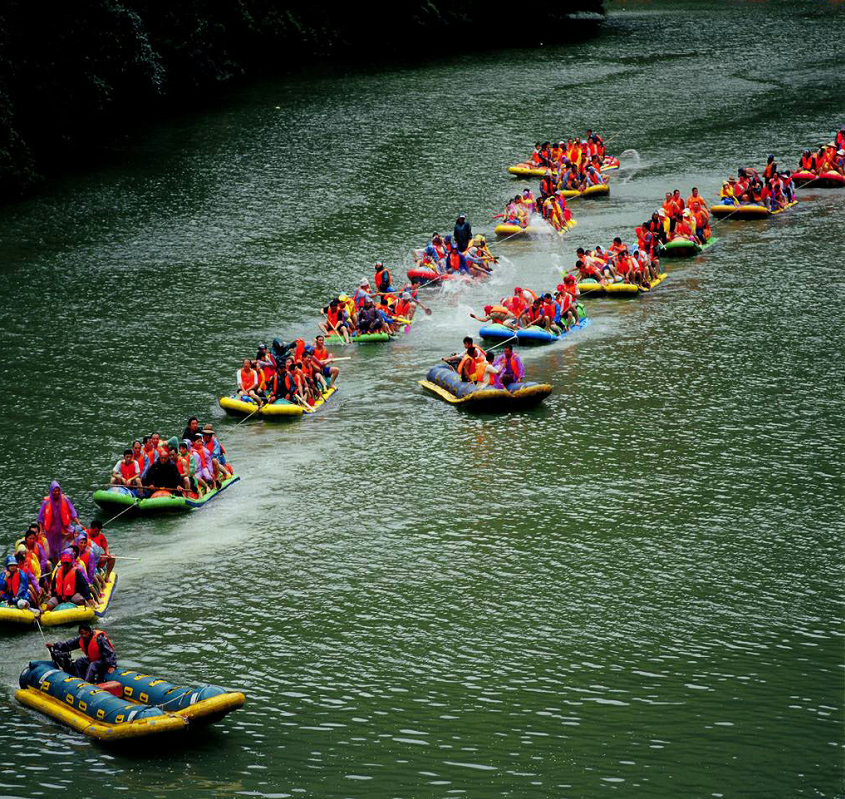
591 288
507 230
242 405
444 382
117 498
526 170
66 613
146 706
826 180
684 248
530 335
358 338
747 211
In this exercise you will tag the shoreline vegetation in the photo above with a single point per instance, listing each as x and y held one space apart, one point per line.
74 77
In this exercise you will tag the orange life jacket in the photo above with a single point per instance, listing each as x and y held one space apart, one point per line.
128 470
202 454
248 379
91 649
65 582
382 280
48 514
13 583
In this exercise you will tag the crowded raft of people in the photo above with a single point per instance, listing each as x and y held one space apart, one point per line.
678 229
530 318
155 475
58 571
528 215
459 254
824 167
481 381
289 380
574 156
618 270
751 195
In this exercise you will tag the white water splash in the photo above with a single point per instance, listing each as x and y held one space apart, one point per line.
629 164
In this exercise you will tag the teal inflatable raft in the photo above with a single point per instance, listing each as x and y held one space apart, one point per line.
129 705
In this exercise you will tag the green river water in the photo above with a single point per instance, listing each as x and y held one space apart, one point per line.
635 589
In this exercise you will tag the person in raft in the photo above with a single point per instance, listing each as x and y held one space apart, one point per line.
249 382
126 471
462 232
58 518
164 473
511 369
15 583
468 363
68 583
337 322
497 314
98 655
98 539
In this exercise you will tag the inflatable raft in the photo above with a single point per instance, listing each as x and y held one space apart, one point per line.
129 705
826 180
745 212
117 498
590 288
526 170
532 335
240 405
444 383
508 230
66 613
423 274
684 248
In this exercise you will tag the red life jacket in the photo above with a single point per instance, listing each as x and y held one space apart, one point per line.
128 470
454 260
65 582
91 649
48 514
402 307
333 316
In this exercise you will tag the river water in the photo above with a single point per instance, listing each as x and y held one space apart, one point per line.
635 589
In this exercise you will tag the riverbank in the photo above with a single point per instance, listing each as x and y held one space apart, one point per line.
75 79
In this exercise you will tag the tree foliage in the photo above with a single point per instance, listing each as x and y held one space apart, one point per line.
73 73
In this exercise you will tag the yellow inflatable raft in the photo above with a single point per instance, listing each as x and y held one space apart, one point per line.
280 409
506 230
67 613
616 290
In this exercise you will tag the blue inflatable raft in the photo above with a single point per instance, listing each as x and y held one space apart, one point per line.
443 381
530 335
130 705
